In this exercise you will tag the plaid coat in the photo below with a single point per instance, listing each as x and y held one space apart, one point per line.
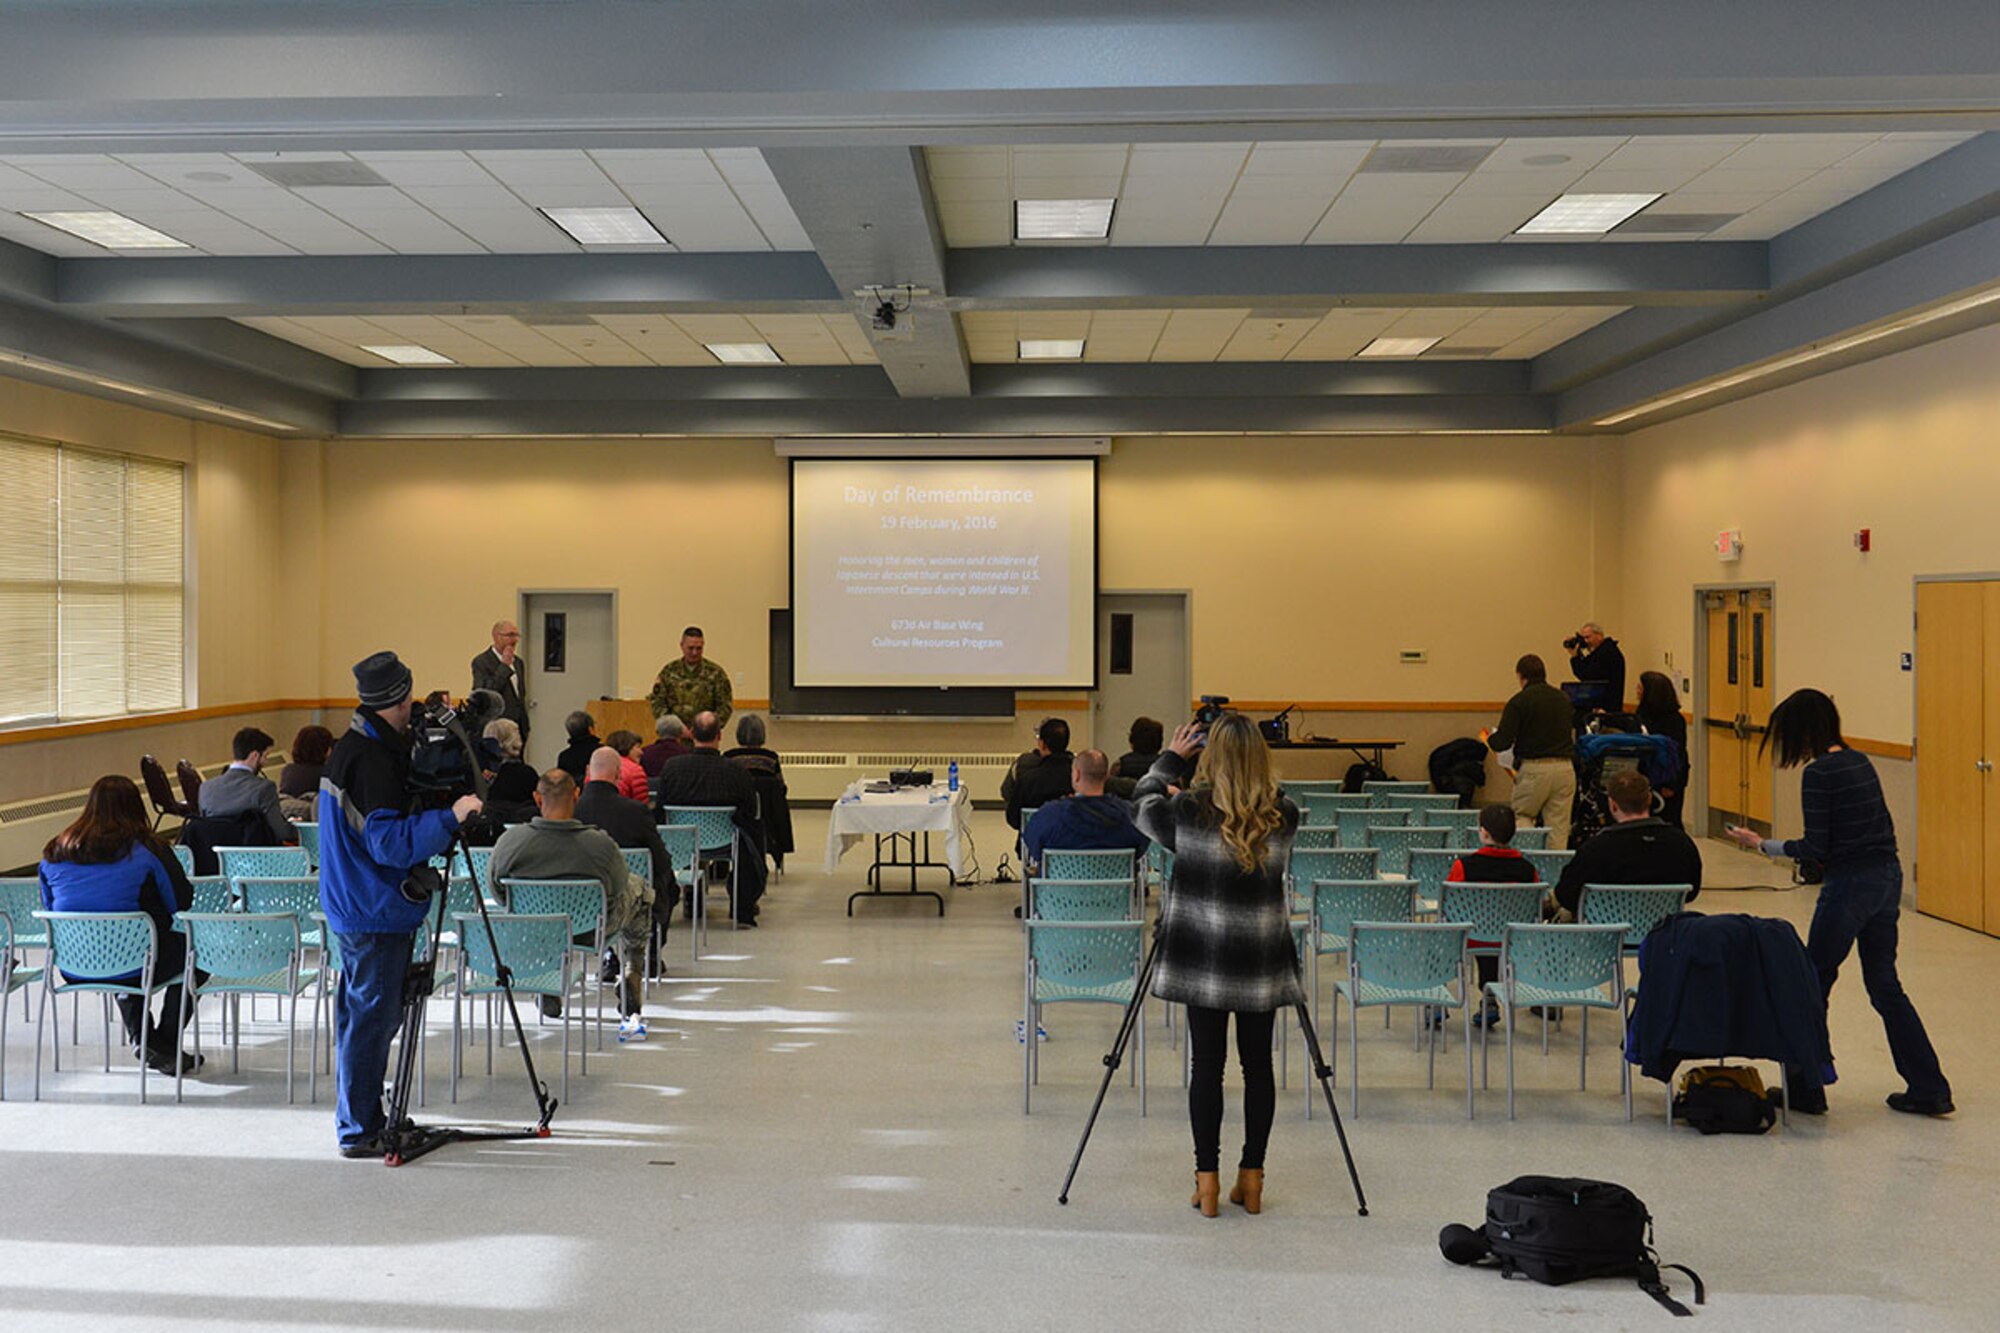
1225 937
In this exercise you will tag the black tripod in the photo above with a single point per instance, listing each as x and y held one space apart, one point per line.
1321 1070
404 1140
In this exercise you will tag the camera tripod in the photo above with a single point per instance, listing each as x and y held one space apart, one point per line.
1321 1070
403 1139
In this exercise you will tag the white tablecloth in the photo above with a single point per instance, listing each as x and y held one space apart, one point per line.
908 811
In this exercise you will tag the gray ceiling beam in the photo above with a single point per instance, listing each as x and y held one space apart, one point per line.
644 384
1304 277
1622 340
1951 191
1387 414
396 75
245 348
45 345
1963 262
871 218
753 283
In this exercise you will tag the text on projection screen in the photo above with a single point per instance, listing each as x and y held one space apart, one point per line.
948 572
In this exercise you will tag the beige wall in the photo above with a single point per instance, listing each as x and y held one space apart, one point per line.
1903 446
1311 561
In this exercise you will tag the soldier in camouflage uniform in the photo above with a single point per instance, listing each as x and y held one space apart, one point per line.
692 684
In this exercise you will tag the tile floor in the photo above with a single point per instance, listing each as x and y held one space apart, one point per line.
824 1132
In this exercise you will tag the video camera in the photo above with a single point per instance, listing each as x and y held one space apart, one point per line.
1210 710
444 757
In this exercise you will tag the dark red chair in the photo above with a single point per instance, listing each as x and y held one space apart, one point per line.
161 793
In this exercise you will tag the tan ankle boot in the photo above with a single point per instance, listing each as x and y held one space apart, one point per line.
1207 1192
1249 1190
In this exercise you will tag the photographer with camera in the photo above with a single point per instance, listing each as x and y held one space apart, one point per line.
371 838
1596 659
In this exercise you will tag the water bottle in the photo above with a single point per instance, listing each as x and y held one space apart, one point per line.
951 776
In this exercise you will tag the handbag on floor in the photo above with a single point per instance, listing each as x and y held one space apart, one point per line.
1725 1099
1556 1230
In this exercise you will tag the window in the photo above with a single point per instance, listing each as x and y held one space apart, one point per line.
91 563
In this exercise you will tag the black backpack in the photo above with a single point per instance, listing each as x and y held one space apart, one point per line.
1365 771
1556 1231
1726 1099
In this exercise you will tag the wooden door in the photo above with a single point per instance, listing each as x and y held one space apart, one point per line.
1740 679
1958 643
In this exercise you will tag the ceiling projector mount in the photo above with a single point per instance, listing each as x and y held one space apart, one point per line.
888 309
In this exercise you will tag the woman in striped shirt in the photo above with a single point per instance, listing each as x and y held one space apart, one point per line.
1849 831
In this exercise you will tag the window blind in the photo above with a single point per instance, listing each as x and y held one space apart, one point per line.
91 583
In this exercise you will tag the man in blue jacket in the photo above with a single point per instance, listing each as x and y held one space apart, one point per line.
1087 820
370 840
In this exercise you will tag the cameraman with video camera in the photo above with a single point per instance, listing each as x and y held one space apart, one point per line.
371 838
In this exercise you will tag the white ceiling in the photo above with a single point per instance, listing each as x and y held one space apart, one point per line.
1293 193
1505 332
608 340
436 202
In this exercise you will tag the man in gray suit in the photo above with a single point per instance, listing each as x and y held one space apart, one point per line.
501 670
242 787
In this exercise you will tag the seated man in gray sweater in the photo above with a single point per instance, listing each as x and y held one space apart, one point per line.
557 846
242 788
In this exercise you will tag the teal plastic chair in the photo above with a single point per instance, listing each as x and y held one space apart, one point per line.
1308 865
1422 966
582 901
1298 788
212 893
1556 967
295 894
185 855
1428 869
1354 824
309 842
1079 962
249 953
264 863
1081 900
1336 904
1463 826
715 839
683 844
1317 837
1488 909
1424 802
1532 837
1379 791
1395 842
540 957
639 868
1060 863
1640 906
1320 807
1548 865
12 978
106 953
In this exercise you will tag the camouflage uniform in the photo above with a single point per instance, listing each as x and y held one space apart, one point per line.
685 690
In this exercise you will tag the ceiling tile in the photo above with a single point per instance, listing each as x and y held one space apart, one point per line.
958 163
1513 155
1768 181
1327 160
430 168
1672 153
1812 151
1068 160
656 166
1607 179
1187 161
1267 221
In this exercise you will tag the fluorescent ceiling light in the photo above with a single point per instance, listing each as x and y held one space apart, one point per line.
1051 349
1805 356
409 354
113 231
1062 219
744 354
1399 347
1584 214
605 226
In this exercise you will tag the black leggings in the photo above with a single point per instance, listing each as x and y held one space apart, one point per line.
1208 1034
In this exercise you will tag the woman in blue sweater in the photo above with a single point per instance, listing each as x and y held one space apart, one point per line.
110 861
1849 831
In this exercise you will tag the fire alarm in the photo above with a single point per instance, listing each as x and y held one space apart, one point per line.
1729 545
1861 540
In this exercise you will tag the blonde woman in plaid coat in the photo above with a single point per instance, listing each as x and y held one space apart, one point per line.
1225 936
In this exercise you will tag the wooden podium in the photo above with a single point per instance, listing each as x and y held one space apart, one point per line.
633 715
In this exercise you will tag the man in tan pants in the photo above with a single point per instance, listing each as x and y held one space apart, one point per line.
1538 725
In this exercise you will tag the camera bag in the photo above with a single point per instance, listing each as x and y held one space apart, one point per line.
1557 1230
1725 1099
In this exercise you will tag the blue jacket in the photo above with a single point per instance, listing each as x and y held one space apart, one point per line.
140 882
368 840
1082 823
